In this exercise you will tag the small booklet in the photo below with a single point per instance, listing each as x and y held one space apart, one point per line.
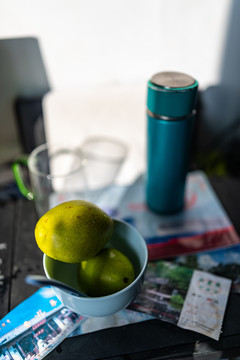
191 299
36 326
41 322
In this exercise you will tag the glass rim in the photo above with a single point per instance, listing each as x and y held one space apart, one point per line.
88 154
54 147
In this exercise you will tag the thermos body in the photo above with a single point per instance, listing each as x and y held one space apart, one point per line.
167 157
170 122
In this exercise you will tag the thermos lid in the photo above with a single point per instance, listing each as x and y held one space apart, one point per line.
171 94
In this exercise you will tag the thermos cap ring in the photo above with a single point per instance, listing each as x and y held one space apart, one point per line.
171 94
173 80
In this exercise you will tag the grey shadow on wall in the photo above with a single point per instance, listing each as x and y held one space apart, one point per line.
218 122
23 84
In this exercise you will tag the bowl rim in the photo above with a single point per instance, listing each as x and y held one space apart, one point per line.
102 298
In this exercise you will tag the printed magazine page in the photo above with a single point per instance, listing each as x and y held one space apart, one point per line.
164 290
202 225
166 282
36 326
223 262
180 295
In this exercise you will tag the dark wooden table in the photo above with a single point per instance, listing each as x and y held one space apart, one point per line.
153 339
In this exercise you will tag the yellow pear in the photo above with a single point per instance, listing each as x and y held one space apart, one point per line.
73 231
106 273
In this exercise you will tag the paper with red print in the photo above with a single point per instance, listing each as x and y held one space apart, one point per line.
202 225
204 306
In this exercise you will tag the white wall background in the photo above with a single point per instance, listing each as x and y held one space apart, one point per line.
100 54
112 41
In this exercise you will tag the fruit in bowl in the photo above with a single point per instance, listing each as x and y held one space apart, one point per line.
106 273
73 231
111 275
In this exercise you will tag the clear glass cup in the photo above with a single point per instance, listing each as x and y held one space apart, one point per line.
56 175
103 158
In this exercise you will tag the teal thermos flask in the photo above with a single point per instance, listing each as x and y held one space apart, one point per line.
171 98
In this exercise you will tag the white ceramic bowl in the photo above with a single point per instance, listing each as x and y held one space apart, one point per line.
126 239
